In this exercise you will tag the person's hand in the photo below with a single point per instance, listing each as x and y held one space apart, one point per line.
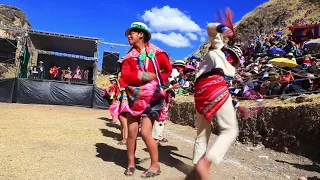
146 76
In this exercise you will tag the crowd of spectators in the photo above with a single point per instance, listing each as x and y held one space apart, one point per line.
271 65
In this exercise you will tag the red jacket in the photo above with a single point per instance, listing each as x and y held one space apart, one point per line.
129 70
122 83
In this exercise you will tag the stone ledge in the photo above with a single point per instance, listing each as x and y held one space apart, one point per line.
281 128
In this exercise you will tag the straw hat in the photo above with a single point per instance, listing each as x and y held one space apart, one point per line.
139 26
179 63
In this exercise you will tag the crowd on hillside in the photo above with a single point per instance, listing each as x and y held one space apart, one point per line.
271 65
306 18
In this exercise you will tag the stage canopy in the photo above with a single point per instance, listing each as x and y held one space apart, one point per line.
69 44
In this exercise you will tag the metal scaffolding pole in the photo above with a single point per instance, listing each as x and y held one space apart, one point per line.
114 44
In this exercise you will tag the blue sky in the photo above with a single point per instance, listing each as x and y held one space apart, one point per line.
177 26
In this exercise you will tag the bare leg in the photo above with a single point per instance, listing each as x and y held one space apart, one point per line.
124 128
133 124
146 133
203 167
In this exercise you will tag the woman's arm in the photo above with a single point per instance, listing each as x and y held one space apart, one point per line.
165 66
129 76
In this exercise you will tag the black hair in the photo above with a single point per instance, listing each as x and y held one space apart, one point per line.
173 82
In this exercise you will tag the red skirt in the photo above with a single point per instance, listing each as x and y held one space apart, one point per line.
210 94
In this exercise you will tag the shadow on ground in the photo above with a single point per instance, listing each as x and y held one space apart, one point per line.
113 125
166 153
105 119
111 154
111 134
117 156
166 156
308 167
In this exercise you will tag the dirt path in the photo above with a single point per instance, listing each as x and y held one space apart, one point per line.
56 142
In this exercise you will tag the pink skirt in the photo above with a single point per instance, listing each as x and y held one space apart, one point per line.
76 77
68 76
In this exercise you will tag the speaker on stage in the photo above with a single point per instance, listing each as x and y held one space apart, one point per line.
110 62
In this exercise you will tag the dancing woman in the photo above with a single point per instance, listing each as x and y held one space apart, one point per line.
212 97
144 69
68 75
116 105
77 74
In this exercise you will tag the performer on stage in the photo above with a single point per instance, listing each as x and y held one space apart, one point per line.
40 70
68 75
54 71
63 74
145 69
212 97
77 74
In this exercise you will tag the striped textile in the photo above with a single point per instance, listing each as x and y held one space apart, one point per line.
210 94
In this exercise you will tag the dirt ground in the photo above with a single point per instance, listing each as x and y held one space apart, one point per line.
57 142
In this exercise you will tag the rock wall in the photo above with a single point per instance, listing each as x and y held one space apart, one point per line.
13 23
281 128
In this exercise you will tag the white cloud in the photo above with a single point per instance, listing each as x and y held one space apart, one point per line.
169 19
192 36
173 27
172 39
202 39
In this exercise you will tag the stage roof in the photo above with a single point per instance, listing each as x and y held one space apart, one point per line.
70 44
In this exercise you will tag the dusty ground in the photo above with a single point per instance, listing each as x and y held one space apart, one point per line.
56 142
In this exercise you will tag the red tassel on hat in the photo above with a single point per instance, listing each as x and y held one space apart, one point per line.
225 18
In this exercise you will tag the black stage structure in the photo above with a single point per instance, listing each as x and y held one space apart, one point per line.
110 62
7 89
34 91
64 51
7 58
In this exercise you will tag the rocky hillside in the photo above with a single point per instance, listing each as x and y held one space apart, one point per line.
12 17
273 15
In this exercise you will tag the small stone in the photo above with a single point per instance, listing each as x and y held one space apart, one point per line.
234 177
286 176
302 178
264 157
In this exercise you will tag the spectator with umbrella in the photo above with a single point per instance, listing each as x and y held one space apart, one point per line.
276 50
